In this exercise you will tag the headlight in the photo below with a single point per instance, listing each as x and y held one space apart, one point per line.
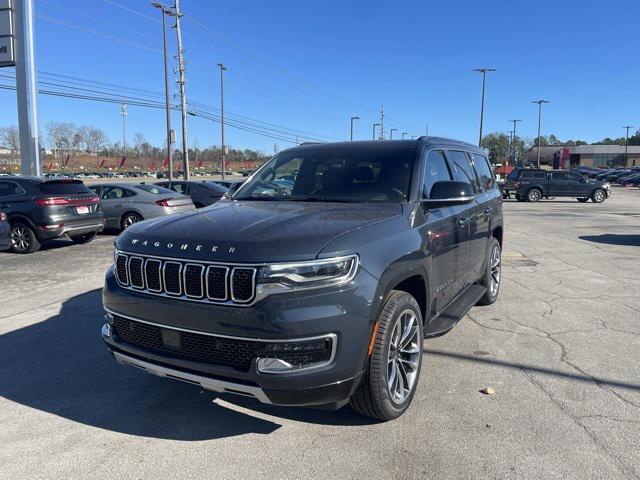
313 274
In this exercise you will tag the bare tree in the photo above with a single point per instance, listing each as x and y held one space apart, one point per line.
60 136
10 137
95 139
139 141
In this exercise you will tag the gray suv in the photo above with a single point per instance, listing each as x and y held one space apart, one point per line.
316 283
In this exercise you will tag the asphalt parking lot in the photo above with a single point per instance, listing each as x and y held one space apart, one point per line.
561 349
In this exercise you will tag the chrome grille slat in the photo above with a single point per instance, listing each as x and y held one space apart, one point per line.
190 280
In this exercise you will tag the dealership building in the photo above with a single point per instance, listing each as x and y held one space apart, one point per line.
572 156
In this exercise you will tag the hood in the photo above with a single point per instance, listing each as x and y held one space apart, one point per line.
252 231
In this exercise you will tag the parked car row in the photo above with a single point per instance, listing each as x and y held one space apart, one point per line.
534 184
34 210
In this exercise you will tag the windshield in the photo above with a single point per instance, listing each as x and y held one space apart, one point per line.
375 173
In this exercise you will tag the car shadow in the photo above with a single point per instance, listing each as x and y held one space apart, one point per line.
626 240
60 366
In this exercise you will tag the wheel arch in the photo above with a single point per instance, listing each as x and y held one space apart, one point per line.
17 217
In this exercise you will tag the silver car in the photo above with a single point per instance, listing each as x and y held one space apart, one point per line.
124 204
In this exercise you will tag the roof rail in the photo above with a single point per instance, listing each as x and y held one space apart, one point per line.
446 139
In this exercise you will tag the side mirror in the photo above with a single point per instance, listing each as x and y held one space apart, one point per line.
448 194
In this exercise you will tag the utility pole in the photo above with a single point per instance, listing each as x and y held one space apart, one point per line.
513 139
381 122
426 130
484 76
539 102
374 130
167 105
403 134
391 133
26 89
183 96
626 143
222 69
352 119
123 114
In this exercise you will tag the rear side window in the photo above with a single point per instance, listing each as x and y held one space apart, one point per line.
485 174
8 189
462 168
559 176
111 193
533 175
158 190
215 187
63 187
435 170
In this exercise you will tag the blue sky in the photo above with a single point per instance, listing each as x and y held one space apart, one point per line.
311 65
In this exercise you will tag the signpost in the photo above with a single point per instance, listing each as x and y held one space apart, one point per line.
7 51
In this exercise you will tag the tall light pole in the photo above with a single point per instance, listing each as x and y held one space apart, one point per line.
374 130
222 69
539 102
352 119
183 96
626 143
513 138
484 76
382 122
403 134
123 114
391 130
166 11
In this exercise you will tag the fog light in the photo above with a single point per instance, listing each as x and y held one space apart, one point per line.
273 365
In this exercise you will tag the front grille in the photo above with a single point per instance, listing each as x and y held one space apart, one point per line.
188 280
215 350
194 347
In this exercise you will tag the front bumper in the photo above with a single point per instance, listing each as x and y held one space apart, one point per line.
345 313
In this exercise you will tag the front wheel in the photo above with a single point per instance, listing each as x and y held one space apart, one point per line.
598 196
23 239
395 359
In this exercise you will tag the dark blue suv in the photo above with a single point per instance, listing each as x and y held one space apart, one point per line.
316 283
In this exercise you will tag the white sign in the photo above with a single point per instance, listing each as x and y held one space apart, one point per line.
5 4
6 25
7 54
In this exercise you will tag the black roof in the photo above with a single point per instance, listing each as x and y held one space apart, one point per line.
426 141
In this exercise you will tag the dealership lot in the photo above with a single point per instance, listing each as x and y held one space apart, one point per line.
561 349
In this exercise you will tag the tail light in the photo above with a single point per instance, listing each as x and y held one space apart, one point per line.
48 201
162 203
3 217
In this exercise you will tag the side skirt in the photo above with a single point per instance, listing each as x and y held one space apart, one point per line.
454 312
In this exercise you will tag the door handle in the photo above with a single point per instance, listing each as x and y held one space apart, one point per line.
488 210
462 221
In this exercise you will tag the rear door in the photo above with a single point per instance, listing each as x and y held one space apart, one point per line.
559 184
472 215
444 237
115 202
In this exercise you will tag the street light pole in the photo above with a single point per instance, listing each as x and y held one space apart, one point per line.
626 143
484 76
222 69
403 134
352 119
167 105
123 114
513 139
374 130
391 130
539 102
183 95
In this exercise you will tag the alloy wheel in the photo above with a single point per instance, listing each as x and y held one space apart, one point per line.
20 238
130 220
534 195
403 357
495 270
598 196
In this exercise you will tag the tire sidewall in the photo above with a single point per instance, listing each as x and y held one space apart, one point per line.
492 297
393 409
33 245
536 195
595 193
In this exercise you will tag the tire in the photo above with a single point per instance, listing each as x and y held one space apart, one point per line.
129 219
86 238
23 238
376 397
583 200
598 196
534 195
492 273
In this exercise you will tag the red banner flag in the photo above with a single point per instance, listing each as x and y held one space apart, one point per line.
199 163
226 164
249 164
124 159
102 162
165 163
50 166
179 166
66 161
152 166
